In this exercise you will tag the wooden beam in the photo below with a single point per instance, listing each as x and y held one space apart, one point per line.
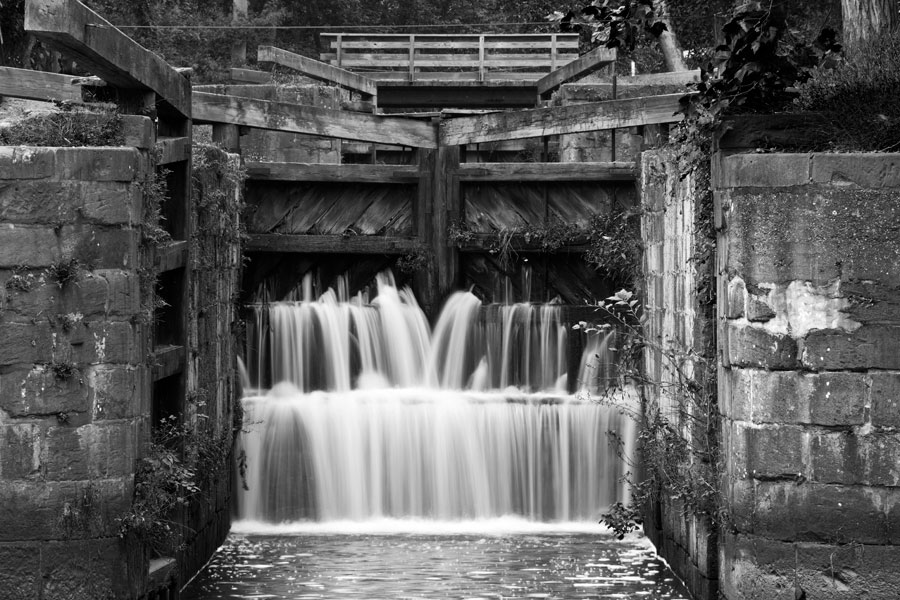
167 361
391 95
628 86
547 172
587 63
318 70
250 76
38 85
331 244
325 122
557 120
99 47
173 149
168 256
485 242
261 171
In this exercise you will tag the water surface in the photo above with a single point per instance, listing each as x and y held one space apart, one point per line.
531 562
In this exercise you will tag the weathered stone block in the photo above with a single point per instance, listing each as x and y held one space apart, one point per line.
56 202
761 170
99 247
844 457
21 571
36 510
790 397
823 513
94 451
84 569
812 234
871 301
20 447
736 396
26 162
751 346
834 572
758 311
885 411
28 245
115 391
91 342
863 169
756 568
25 343
869 347
115 342
124 292
39 391
773 451
97 164
735 298
103 292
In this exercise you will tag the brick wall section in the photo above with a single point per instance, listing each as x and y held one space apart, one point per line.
674 319
809 318
73 370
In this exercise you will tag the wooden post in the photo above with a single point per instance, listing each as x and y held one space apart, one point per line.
446 207
554 53
480 58
426 280
412 58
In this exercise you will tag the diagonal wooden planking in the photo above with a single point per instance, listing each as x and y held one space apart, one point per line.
589 62
557 120
102 49
283 116
317 70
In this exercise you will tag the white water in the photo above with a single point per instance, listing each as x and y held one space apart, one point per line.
376 419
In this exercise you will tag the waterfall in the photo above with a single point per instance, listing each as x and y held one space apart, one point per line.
373 416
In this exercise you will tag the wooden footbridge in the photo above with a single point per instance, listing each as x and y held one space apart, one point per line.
436 128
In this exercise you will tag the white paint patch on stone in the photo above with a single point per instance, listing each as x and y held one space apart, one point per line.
801 307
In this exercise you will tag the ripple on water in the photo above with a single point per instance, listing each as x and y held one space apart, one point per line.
422 566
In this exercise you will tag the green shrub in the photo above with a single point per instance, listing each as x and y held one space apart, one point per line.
859 100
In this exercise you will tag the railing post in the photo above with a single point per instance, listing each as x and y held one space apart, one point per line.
412 58
239 10
481 58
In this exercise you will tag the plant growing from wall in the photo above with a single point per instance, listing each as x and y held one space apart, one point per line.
413 261
22 280
179 461
679 452
614 244
65 271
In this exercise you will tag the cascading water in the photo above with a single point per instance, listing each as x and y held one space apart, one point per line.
372 416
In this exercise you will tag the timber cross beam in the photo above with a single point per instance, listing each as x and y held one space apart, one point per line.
311 120
318 70
102 49
557 120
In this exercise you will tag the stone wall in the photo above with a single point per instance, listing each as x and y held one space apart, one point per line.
677 321
73 370
76 365
809 288
213 330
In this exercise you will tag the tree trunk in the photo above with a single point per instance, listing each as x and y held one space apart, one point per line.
866 19
668 43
